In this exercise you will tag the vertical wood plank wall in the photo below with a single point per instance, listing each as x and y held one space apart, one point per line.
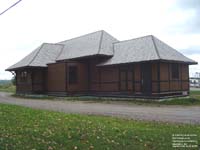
121 78
56 77
38 80
110 79
137 82
167 83
82 83
34 83
23 86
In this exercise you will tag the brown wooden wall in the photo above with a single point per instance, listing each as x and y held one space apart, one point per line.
137 77
34 81
167 84
82 83
39 80
56 77
95 76
110 79
121 78
23 86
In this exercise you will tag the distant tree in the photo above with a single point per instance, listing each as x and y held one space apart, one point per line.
13 80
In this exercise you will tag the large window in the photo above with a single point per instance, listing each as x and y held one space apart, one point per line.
73 74
175 71
23 76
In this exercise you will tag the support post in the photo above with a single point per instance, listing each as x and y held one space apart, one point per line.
133 78
158 75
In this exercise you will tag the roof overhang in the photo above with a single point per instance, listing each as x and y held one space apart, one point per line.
25 67
86 57
150 61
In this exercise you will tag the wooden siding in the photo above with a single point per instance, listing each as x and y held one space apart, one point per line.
137 75
155 77
23 86
82 83
167 84
118 79
109 79
56 77
38 80
33 83
95 76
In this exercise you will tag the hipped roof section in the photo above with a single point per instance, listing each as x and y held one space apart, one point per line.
147 48
40 57
96 43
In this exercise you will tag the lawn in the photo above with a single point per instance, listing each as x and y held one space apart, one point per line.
7 88
24 128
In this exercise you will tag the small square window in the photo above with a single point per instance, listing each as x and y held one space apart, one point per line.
175 71
73 74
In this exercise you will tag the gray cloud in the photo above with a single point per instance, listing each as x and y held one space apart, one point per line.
193 24
188 4
191 50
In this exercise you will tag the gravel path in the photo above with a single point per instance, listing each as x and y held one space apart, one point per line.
178 114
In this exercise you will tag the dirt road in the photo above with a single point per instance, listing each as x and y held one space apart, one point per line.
179 114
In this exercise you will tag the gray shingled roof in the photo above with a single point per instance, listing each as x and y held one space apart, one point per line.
147 48
96 43
40 57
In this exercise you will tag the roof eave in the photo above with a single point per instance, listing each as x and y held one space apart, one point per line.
179 61
155 60
85 57
24 67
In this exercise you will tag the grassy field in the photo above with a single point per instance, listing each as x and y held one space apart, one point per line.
7 88
28 129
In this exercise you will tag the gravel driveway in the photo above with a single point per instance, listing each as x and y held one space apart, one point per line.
179 114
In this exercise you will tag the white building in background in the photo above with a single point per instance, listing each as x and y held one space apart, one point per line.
195 81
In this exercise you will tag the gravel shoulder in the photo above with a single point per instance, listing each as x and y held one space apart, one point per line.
175 114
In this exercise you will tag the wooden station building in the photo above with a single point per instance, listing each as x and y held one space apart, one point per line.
99 64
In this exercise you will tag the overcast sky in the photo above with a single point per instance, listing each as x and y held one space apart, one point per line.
32 22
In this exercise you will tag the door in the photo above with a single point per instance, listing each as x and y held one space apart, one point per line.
146 78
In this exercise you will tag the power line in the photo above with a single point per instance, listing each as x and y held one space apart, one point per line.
10 7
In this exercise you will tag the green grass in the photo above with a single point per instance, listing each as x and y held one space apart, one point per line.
193 92
7 88
181 101
24 128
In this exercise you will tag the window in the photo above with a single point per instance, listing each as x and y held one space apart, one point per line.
73 76
23 76
175 71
